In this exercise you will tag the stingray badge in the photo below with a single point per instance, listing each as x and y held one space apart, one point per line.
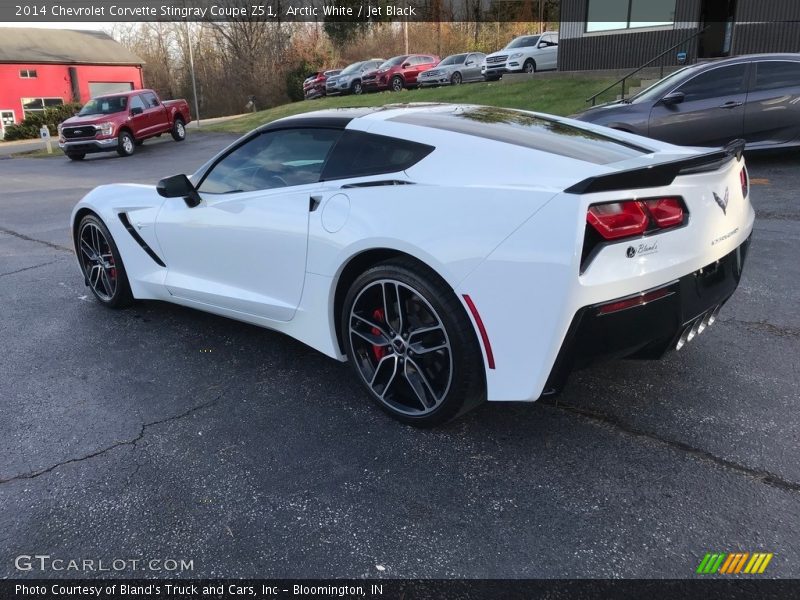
723 202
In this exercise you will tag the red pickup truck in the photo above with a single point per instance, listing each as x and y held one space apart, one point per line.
121 122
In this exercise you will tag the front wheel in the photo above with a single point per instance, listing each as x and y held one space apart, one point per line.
101 264
412 345
456 78
356 88
397 83
178 130
126 145
529 66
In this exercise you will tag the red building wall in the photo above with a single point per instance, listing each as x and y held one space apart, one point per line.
53 81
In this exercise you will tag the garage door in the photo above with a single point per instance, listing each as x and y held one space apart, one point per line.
100 88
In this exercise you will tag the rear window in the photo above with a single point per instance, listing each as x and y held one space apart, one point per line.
529 131
358 154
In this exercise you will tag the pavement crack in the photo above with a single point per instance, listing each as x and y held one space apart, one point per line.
27 238
761 475
28 268
765 326
131 442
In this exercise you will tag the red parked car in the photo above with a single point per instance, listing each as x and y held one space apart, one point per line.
398 72
314 85
121 122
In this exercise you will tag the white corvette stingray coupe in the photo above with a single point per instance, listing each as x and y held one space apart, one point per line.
452 254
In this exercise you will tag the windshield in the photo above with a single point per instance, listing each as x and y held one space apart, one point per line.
104 106
351 68
393 62
456 59
523 42
659 89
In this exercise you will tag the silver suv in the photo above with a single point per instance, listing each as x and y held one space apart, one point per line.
349 80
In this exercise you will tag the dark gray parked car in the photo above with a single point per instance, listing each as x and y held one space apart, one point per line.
755 97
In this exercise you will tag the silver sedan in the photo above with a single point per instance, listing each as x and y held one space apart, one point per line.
455 69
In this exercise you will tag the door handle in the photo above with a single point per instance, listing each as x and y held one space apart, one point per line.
731 104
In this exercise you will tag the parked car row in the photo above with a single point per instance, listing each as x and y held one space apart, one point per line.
524 54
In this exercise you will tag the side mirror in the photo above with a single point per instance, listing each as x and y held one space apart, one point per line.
179 186
406 65
673 98
468 63
136 110
542 45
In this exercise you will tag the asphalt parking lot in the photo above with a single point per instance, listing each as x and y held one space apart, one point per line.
163 433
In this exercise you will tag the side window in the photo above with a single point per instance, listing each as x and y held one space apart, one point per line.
150 99
413 61
136 102
771 75
273 159
722 81
359 154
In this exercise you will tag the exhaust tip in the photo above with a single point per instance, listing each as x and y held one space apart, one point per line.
684 338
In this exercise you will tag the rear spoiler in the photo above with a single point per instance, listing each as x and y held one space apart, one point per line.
661 174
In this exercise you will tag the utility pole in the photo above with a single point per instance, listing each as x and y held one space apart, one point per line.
194 81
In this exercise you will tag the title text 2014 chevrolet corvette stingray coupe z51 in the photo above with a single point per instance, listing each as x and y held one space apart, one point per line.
452 254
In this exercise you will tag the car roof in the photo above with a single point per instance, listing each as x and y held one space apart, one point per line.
747 58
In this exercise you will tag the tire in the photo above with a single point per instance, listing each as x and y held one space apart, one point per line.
529 66
178 130
456 78
101 264
126 145
356 88
419 388
396 84
76 156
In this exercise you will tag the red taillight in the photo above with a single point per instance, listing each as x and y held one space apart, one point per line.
615 220
743 181
666 212
637 300
618 219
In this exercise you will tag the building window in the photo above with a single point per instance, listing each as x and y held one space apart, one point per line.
609 15
27 73
32 105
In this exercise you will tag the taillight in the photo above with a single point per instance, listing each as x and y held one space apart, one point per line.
618 219
743 181
615 220
666 212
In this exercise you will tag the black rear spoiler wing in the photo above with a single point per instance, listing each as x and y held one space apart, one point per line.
661 174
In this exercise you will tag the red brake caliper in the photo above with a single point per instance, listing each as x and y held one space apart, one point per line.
378 351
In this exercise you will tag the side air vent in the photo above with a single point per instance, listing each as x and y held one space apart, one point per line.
135 235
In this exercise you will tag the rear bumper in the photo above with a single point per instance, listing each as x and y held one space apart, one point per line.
88 146
647 331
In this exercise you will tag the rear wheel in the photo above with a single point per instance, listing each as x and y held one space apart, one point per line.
412 345
397 83
456 78
178 130
75 155
126 145
102 264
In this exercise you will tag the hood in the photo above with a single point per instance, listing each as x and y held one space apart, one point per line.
606 111
92 119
